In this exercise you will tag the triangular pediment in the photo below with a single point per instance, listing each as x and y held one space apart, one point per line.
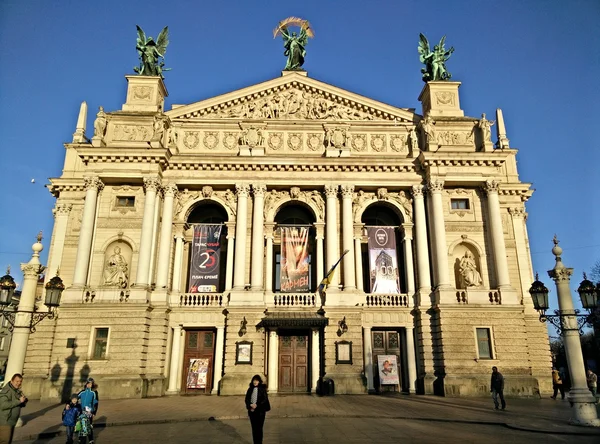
293 96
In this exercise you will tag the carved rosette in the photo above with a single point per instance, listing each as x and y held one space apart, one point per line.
191 139
359 142
242 189
314 141
398 144
491 186
275 141
347 191
92 182
294 141
417 191
378 142
152 183
207 191
259 189
331 190
211 139
435 186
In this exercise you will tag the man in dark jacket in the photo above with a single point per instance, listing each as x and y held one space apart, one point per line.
11 401
497 387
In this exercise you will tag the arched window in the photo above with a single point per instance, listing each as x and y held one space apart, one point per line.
295 216
381 214
208 212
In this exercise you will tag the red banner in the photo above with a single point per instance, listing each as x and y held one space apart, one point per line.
294 259
206 257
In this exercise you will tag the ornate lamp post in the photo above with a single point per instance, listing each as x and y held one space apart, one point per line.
24 319
566 321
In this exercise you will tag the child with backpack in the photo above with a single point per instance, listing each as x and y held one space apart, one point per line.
70 414
88 398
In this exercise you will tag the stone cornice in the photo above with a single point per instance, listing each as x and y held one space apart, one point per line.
124 155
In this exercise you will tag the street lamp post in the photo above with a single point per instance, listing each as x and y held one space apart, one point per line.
580 397
24 319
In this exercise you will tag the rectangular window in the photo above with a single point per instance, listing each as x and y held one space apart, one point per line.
484 343
126 201
100 343
459 204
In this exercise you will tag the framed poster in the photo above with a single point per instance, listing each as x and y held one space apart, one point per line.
388 369
243 352
197 373
343 352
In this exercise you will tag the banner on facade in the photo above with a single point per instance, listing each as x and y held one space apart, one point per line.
294 259
198 373
383 260
205 259
388 369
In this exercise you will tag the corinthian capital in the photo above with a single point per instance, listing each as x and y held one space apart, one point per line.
32 270
62 209
331 190
259 189
435 186
242 189
517 212
347 191
170 189
491 186
152 183
92 183
417 191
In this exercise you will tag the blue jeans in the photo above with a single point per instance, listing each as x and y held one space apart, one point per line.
70 431
495 395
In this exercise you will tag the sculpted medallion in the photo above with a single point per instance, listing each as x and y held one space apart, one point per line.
191 139
275 141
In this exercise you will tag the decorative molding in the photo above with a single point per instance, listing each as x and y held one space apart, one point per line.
275 140
62 209
399 144
259 189
455 138
230 140
93 182
378 143
152 183
295 141
211 139
435 186
191 139
331 190
314 141
359 142
132 133
464 228
417 191
347 191
242 189
491 186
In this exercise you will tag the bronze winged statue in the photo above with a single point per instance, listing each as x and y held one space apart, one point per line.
294 44
152 53
435 61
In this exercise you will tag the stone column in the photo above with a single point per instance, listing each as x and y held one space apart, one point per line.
258 241
218 359
368 353
178 261
269 259
239 273
319 226
421 244
436 187
408 258
358 231
273 365
164 249
412 359
498 246
348 238
230 254
175 360
152 185
519 216
20 335
331 228
92 186
315 370
61 219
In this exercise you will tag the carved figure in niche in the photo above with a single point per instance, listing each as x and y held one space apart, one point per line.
405 202
159 128
116 271
468 271
100 123
413 141
485 126
173 137
428 129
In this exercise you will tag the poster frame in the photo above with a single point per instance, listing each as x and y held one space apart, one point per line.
243 352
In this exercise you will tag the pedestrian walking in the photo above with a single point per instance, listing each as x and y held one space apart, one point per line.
88 398
592 381
257 404
497 388
557 384
11 401
70 414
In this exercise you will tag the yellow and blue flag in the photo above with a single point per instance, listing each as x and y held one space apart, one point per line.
329 276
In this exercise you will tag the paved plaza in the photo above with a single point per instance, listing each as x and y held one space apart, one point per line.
306 419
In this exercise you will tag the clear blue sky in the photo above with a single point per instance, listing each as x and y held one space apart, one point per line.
537 60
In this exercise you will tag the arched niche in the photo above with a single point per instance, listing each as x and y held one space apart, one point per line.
362 207
207 212
316 213
466 257
116 271
187 209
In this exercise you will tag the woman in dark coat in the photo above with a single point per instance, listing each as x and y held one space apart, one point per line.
257 403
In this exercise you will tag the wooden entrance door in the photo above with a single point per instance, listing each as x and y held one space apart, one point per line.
198 358
293 363
385 343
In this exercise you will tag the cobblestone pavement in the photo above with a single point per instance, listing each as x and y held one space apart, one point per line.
304 418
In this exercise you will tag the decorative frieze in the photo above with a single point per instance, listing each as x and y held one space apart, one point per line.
378 142
191 139
132 133
211 139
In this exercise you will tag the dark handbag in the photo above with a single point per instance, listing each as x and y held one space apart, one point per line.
267 405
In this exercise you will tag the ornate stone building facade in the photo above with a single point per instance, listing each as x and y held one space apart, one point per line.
289 152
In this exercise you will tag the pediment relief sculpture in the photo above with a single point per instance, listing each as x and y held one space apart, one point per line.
313 198
186 196
400 198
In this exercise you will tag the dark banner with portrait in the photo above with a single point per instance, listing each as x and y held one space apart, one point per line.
383 260
205 259
294 259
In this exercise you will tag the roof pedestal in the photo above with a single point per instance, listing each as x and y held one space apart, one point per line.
145 93
440 99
